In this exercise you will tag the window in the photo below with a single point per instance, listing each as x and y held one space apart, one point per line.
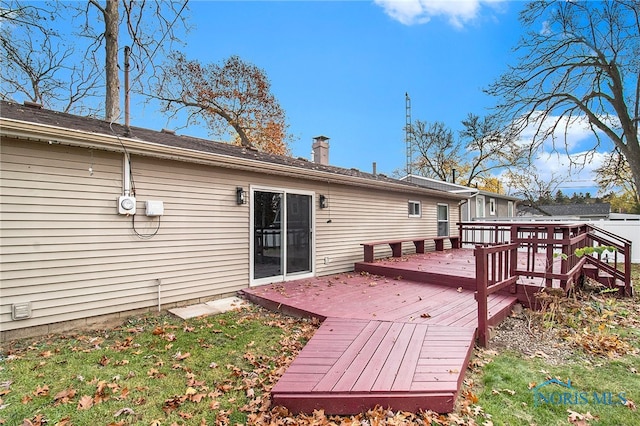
510 208
443 220
480 206
414 208
492 206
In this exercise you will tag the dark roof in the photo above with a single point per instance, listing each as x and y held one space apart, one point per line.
438 185
578 210
36 114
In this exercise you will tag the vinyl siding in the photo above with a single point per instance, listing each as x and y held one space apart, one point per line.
66 250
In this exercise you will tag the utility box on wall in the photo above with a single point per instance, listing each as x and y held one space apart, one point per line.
154 208
126 205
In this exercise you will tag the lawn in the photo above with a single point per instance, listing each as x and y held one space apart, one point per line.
218 370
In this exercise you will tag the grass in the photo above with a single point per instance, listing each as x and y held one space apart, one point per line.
152 370
509 395
159 370
602 377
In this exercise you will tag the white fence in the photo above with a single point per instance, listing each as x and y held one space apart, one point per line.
625 229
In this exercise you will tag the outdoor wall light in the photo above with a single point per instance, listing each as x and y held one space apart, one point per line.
241 196
323 202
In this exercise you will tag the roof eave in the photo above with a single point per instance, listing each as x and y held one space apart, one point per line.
54 134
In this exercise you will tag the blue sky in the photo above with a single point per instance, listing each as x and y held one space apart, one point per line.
341 68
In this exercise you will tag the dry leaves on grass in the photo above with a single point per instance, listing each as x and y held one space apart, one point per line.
578 419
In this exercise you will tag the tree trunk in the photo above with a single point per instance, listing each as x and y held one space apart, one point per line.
112 100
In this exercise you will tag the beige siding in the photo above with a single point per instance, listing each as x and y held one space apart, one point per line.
66 250
363 215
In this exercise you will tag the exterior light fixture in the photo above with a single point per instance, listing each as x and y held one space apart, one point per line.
323 202
241 196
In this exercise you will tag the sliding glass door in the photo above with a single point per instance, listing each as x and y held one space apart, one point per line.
282 235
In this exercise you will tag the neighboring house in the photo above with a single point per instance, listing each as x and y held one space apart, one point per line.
582 211
487 205
439 185
210 219
481 205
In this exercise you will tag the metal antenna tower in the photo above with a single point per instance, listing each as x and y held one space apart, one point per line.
408 133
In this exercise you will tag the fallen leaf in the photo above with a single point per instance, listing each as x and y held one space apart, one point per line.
104 361
459 289
127 411
63 397
425 315
179 356
66 421
629 403
41 391
85 402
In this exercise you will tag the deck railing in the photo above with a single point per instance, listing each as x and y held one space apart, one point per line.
495 270
545 251
611 262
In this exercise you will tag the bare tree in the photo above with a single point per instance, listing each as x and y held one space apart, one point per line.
68 71
529 184
490 148
615 174
439 152
150 27
483 148
36 66
233 98
579 60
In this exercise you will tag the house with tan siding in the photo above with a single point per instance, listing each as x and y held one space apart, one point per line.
100 221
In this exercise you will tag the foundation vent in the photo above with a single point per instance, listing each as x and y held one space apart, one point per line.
20 311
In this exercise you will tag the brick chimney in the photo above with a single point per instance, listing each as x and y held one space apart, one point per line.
321 150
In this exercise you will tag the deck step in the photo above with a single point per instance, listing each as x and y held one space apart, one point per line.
350 366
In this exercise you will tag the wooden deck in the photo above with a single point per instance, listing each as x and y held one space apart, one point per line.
385 340
349 366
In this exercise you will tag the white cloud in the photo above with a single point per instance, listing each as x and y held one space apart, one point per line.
574 178
409 12
567 136
570 157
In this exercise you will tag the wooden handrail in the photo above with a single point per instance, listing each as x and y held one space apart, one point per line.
495 270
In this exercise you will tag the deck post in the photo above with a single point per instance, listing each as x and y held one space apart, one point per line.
481 295
549 243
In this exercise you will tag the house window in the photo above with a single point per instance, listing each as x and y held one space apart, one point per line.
443 220
480 206
492 206
510 208
414 209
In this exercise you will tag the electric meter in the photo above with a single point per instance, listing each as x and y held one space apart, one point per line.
127 205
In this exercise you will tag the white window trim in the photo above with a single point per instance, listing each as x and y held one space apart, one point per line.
480 202
492 206
448 220
414 202
289 277
510 206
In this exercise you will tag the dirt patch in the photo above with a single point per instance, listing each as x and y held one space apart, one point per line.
519 334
